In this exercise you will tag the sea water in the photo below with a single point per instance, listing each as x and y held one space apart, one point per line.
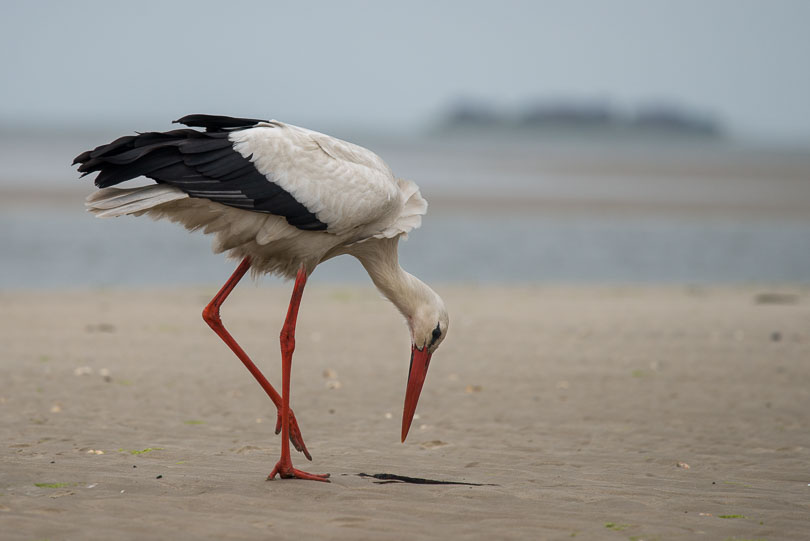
476 241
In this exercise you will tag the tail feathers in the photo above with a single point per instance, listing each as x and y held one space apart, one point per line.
110 202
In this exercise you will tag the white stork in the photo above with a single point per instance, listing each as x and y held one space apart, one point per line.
281 199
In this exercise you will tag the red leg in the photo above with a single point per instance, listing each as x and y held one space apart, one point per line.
211 316
284 466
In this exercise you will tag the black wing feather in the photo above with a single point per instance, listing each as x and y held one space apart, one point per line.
222 166
202 164
217 122
203 157
205 145
243 173
112 174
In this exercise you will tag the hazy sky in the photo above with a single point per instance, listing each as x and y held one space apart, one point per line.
384 65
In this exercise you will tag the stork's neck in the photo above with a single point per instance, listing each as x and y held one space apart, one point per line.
406 291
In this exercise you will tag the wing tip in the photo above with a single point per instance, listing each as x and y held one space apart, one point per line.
216 122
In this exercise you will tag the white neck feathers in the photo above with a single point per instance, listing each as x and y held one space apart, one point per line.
407 292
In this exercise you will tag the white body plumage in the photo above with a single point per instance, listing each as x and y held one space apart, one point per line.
346 186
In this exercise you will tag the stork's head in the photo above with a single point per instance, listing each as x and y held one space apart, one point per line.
428 326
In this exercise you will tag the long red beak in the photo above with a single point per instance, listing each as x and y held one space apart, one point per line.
420 360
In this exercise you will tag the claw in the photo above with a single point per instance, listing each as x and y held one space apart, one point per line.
286 471
295 434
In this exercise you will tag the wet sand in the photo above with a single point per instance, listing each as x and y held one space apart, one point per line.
587 412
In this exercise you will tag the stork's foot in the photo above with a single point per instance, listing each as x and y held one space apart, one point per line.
295 434
286 471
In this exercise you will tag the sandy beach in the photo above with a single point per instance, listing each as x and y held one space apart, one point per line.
585 412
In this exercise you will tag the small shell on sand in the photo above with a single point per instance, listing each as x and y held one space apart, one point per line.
433 444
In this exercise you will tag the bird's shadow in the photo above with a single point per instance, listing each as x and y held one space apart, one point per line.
388 478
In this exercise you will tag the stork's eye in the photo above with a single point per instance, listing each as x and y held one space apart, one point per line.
437 333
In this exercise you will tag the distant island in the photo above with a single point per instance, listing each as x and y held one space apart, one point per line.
581 118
